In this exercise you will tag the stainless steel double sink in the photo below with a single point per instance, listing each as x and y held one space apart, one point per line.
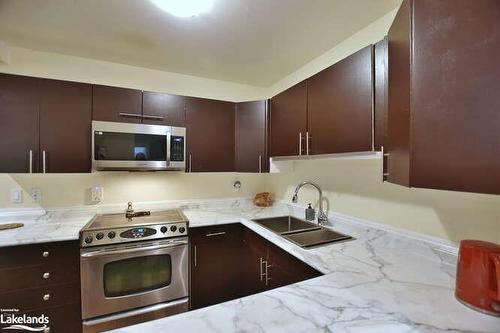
303 233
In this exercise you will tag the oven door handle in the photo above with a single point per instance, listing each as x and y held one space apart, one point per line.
93 254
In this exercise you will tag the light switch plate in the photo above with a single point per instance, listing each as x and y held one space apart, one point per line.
96 194
16 195
36 194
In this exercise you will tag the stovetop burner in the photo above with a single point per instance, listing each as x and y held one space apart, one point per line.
117 228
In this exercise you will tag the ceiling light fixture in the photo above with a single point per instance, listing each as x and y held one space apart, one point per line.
184 8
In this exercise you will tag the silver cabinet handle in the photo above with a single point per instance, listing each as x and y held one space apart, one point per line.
384 174
190 163
266 272
133 115
300 143
261 271
307 142
46 275
46 297
45 254
148 116
260 163
195 255
216 234
31 161
44 158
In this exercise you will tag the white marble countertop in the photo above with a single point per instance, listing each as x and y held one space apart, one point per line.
379 282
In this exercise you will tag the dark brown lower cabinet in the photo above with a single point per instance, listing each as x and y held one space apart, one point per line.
43 279
231 261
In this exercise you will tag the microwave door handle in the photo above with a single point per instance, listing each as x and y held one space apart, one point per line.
103 252
169 142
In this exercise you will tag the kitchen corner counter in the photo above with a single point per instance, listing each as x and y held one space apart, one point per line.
378 282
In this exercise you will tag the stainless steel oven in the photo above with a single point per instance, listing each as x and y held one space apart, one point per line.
122 282
122 146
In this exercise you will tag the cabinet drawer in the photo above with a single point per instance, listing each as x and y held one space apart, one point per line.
217 233
41 298
57 253
35 276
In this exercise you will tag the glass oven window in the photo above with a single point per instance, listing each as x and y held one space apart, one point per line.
113 146
136 275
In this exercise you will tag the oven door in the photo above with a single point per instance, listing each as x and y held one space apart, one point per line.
121 146
118 278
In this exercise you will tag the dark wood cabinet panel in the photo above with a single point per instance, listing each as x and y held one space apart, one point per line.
210 135
65 123
255 255
288 120
381 72
443 102
19 114
116 104
43 279
251 137
215 264
340 106
163 109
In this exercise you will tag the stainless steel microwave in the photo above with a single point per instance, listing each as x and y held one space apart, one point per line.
123 146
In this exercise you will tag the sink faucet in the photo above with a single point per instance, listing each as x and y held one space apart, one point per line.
322 218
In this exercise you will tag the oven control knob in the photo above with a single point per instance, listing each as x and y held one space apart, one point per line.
99 236
182 229
173 228
88 239
164 229
111 234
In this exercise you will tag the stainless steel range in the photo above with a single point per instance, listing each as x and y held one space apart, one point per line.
134 268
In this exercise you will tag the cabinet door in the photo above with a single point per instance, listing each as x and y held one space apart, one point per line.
255 256
251 137
163 109
210 135
455 100
285 269
65 123
381 93
215 264
19 123
116 104
289 121
340 106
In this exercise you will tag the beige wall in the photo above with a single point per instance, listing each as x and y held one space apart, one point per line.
57 66
354 187
66 190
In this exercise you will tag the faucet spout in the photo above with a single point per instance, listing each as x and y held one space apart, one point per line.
322 217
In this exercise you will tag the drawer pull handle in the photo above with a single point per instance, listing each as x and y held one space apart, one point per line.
46 275
46 297
45 254
216 234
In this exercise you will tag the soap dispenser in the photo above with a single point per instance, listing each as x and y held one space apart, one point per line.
310 213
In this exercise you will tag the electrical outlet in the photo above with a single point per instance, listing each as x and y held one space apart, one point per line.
36 194
16 195
96 194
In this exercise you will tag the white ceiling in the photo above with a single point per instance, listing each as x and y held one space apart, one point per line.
254 42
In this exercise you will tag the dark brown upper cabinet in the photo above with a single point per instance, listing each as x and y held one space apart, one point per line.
340 106
289 121
251 137
163 109
116 104
65 123
444 119
210 135
19 125
45 125
381 92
